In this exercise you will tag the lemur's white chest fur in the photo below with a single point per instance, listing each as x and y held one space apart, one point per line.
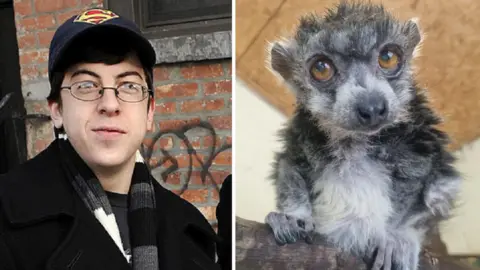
354 205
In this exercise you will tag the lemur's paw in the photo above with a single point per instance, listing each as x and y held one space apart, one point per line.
396 252
288 229
439 198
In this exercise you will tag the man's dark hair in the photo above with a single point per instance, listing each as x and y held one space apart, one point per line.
96 47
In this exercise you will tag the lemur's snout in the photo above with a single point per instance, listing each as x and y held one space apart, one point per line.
371 110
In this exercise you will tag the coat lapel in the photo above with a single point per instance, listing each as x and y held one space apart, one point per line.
38 193
87 246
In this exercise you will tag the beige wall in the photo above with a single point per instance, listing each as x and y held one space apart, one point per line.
462 233
255 126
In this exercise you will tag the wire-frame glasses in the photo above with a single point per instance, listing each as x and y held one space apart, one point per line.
90 91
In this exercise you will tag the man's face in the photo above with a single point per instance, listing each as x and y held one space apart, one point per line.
105 132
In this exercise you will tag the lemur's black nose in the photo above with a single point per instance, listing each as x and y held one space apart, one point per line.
372 109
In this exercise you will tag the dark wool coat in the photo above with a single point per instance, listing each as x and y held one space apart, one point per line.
45 225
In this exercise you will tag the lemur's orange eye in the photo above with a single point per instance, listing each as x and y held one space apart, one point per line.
322 69
388 59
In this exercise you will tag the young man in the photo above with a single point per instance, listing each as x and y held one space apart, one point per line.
88 200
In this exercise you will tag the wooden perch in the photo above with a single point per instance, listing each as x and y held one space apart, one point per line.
257 249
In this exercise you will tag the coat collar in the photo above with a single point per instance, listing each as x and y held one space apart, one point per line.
36 190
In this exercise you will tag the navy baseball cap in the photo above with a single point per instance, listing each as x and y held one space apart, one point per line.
94 20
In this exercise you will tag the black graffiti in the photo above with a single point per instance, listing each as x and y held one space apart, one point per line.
180 133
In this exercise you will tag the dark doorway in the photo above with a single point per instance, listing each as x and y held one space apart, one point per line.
13 150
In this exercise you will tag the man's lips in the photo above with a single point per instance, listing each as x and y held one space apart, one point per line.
109 130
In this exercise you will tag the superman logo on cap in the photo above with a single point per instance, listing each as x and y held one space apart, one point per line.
96 16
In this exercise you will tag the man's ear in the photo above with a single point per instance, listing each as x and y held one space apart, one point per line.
56 113
150 114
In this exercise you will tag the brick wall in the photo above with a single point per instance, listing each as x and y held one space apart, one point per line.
193 100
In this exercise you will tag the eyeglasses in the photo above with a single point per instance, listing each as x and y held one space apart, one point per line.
90 91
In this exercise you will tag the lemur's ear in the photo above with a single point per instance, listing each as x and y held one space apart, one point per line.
281 59
414 34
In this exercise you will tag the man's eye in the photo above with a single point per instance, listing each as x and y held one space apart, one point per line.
86 85
130 86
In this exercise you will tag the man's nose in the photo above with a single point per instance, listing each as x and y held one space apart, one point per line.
109 102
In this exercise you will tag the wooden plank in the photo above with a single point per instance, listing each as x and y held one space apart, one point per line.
447 66
251 16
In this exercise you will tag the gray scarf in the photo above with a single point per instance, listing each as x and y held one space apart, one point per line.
141 213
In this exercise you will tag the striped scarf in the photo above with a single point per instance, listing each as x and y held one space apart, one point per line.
141 208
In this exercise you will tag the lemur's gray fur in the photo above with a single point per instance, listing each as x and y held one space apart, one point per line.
372 188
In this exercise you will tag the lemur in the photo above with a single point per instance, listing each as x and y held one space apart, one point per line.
363 163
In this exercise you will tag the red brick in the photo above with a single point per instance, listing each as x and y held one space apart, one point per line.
40 107
223 158
44 38
208 141
202 71
194 142
165 143
220 87
53 5
27 24
176 191
153 162
28 58
214 195
42 56
43 71
176 124
229 69
221 122
174 178
23 8
166 162
88 2
192 106
62 17
196 178
228 140
28 72
161 74
176 90
183 161
195 195
45 21
201 105
165 107
148 143
153 130
41 144
214 105
218 177
209 212
26 41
